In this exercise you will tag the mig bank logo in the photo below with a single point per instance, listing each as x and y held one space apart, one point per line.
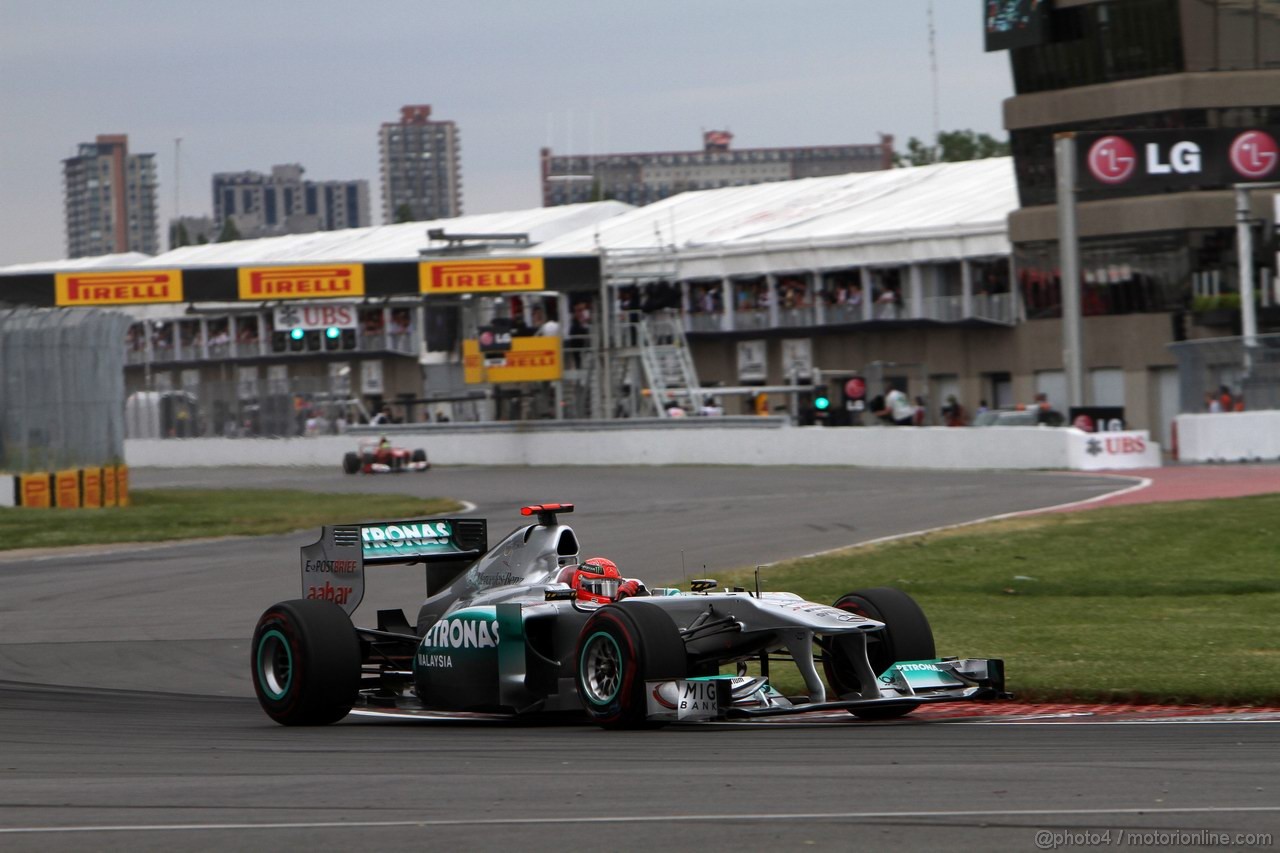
1112 160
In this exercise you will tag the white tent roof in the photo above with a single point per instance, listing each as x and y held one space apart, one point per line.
398 242
928 213
124 259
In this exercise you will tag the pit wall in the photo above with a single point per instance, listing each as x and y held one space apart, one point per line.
1229 437
636 444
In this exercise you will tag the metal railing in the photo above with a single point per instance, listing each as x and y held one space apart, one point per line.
1250 374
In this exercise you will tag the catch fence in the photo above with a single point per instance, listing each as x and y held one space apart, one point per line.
61 389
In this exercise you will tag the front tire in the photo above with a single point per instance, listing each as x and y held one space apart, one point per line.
420 455
351 463
619 649
306 663
906 636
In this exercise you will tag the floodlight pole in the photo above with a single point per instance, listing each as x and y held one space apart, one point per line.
1244 252
1064 149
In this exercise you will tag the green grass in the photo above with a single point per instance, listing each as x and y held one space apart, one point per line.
164 514
1175 602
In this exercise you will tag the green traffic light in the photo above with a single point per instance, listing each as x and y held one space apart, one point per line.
821 403
332 332
296 334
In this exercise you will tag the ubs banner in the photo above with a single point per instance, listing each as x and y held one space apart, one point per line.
1147 162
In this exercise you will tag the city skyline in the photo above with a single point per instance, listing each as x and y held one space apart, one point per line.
514 79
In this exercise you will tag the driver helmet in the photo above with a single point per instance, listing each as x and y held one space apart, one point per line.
601 566
597 579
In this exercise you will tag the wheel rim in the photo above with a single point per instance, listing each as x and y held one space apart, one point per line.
275 664
601 668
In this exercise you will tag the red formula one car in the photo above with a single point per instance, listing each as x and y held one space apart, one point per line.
377 456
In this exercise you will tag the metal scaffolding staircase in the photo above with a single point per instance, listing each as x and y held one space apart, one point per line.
668 366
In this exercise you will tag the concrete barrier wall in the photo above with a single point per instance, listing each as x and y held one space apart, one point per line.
1229 436
877 447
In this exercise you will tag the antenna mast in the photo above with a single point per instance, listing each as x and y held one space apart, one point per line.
933 71
177 185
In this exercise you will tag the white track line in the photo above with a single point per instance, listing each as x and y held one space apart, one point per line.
676 818
1143 482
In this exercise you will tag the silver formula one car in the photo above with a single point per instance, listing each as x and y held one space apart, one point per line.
526 627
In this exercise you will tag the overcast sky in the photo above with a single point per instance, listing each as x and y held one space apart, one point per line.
250 84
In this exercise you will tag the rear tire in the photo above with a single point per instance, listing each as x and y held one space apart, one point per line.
906 636
619 649
306 663
351 463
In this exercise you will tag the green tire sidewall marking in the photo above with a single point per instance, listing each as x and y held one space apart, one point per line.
582 666
262 674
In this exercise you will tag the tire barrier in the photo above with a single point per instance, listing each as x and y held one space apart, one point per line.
72 488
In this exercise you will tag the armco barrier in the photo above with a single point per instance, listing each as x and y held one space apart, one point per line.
72 488
1229 436
519 444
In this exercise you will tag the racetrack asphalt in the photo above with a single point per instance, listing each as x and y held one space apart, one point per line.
125 721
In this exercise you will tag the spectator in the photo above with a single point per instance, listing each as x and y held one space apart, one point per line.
983 407
400 321
953 412
887 303
897 407
1212 404
1225 399
579 332
543 327
921 409
877 409
383 416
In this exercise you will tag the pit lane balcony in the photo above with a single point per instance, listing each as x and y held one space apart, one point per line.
188 342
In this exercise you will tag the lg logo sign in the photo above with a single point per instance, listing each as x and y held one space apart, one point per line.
1113 160
1254 154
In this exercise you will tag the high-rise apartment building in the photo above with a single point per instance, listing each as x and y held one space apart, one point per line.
282 202
110 199
648 177
421 171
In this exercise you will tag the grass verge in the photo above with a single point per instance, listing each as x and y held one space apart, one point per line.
164 514
1175 602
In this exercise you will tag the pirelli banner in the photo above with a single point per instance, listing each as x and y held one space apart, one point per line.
117 288
72 488
530 359
481 275
427 277
326 281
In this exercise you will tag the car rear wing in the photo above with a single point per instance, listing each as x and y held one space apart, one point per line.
333 567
